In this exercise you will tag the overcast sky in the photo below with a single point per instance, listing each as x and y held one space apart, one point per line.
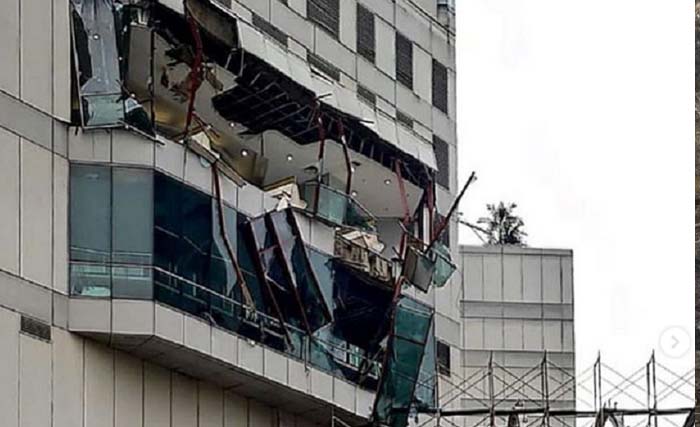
582 113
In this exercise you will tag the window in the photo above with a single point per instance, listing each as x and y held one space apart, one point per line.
270 29
111 236
404 119
325 13
443 356
439 86
366 95
404 61
442 157
323 66
365 33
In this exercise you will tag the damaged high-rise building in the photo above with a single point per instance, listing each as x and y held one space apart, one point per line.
226 213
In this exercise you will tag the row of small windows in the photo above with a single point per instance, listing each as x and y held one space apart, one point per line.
326 14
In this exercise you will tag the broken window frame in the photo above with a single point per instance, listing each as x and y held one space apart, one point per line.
100 31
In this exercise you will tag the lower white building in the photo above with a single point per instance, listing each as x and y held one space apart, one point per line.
517 304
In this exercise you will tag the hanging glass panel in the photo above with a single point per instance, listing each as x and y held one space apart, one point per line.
406 347
97 60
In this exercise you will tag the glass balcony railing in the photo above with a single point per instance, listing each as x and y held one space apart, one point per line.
336 207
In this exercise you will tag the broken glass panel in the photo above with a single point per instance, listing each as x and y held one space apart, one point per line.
97 60
424 395
406 347
222 275
288 269
443 266
423 269
336 207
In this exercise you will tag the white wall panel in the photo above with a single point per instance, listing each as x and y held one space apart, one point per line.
67 378
36 213
156 396
235 410
9 194
568 336
493 334
131 148
474 334
198 172
35 55
128 391
492 278
552 335
9 368
567 275
34 382
385 44
184 403
348 20
532 278
170 157
423 75
99 385
551 279
473 272
532 334
60 224
259 415
61 59
9 48
211 406
512 278
513 334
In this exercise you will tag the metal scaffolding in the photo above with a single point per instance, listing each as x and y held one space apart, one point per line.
551 395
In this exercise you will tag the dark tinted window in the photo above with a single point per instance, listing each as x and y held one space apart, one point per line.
442 157
90 215
324 66
365 33
270 29
367 95
326 14
404 61
440 86
443 356
404 119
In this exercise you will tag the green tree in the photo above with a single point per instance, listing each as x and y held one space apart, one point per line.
502 226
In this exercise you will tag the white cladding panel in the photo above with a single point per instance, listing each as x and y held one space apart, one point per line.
128 391
34 382
36 208
9 195
99 384
9 368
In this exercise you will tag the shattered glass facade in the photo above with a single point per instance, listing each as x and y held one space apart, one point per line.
339 263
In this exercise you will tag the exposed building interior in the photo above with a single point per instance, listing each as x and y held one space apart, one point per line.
191 73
